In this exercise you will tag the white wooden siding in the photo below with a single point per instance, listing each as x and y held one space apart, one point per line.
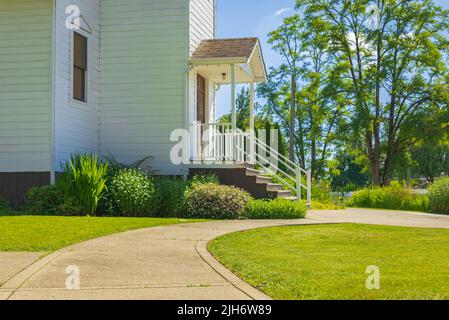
202 22
76 124
201 27
143 64
25 85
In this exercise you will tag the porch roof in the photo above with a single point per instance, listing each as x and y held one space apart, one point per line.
214 57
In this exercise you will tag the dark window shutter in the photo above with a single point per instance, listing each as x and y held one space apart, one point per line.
79 67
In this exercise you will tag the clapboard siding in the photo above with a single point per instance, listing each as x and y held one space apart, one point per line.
143 62
137 59
25 85
76 124
202 22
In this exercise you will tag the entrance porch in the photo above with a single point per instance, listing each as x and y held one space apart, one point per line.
218 146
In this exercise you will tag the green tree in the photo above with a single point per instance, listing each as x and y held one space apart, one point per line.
242 110
390 56
286 40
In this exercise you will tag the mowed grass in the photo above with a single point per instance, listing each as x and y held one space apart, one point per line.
330 261
45 234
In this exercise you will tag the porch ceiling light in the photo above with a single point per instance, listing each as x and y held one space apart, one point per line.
223 75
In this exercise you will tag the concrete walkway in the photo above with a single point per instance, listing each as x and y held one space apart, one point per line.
12 263
169 262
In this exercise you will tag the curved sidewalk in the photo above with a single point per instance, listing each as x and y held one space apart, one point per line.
169 262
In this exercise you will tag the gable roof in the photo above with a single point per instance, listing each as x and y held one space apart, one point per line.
225 48
241 51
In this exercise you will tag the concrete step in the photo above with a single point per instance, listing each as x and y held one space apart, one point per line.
275 187
283 193
253 172
264 179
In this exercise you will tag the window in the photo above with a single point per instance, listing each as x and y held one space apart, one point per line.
79 67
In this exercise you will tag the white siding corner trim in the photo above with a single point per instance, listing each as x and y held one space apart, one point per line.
202 22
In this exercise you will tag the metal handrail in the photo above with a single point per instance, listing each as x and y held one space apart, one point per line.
292 166
225 138
287 162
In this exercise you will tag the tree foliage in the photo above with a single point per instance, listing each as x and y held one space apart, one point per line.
373 82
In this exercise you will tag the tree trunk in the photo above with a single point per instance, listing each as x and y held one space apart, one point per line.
376 131
292 119
301 146
313 158
374 161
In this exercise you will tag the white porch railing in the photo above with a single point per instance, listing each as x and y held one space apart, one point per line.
219 143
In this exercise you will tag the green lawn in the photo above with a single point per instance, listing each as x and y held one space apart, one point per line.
36 233
330 261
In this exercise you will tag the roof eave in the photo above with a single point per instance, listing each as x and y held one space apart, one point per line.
264 66
235 60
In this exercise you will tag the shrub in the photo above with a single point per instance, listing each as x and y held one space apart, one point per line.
132 192
214 201
439 196
50 200
317 205
84 179
4 206
276 209
322 191
169 195
44 200
204 179
70 207
395 197
114 166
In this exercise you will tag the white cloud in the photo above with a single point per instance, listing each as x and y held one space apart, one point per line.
281 11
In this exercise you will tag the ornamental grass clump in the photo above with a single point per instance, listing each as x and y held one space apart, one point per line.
439 196
169 196
84 181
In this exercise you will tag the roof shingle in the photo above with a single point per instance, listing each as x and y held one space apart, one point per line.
225 48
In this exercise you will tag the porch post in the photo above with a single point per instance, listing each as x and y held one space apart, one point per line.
233 113
252 149
233 98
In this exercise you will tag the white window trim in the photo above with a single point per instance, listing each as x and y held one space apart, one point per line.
72 101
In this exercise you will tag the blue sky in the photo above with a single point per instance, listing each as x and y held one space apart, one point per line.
255 18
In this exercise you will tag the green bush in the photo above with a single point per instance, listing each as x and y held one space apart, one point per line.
169 195
84 179
214 201
70 207
317 205
322 191
44 200
204 179
50 200
114 166
395 197
439 196
132 192
276 209
4 206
